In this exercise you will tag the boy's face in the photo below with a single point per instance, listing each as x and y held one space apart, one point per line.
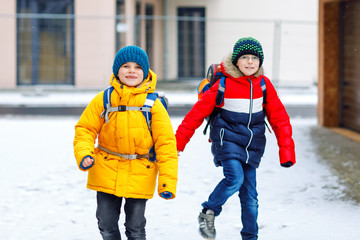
131 74
248 64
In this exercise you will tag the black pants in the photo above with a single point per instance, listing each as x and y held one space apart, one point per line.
108 213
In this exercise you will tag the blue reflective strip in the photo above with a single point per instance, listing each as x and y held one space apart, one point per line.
152 96
149 102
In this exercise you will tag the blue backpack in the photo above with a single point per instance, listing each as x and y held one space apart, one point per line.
145 109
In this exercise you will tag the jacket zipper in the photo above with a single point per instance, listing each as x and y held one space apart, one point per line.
248 125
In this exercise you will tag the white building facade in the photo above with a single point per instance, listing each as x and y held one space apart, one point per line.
73 42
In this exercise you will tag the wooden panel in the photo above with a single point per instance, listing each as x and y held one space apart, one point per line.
350 79
328 110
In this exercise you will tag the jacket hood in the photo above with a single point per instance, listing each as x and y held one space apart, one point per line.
231 70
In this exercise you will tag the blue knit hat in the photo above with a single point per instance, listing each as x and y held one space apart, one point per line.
131 54
247 45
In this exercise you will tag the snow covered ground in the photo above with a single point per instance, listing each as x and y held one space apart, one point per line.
43 194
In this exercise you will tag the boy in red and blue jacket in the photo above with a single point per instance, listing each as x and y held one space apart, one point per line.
237 134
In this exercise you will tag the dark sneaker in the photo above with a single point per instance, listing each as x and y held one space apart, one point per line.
207 224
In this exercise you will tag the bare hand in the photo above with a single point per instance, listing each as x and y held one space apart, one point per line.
87 162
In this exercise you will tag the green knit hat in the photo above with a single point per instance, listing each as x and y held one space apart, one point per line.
247 45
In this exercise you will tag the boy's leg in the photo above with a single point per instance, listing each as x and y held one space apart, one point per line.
107 213
135 218
227 187
234 177
249 204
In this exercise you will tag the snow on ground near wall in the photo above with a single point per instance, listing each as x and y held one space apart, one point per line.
43 194
296 96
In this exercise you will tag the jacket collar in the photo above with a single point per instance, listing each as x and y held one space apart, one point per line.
233 71
148 85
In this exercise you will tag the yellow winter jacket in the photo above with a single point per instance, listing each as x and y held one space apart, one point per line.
127 133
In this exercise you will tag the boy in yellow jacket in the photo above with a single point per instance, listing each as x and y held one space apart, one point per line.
120 166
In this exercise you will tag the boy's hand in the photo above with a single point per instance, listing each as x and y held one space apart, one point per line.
287 164
86 162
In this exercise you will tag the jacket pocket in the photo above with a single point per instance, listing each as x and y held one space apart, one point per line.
143 174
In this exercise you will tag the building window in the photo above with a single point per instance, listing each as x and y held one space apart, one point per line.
191 43
137 24
149 30
121 25
45 42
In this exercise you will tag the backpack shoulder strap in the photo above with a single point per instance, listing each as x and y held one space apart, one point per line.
107 96
219 101
149 102
263 87
163 99
221 92
150 99
107 102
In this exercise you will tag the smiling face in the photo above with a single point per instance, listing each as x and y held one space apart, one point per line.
248 64
131 74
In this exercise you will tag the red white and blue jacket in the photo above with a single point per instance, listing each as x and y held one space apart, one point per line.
238 131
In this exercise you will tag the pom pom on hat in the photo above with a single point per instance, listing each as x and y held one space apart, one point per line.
247 45
131 54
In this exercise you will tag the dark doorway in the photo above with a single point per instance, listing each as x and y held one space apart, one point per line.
191 42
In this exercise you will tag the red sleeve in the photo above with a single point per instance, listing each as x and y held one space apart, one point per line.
195 117
280 123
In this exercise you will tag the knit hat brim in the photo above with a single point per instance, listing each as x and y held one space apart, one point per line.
245 46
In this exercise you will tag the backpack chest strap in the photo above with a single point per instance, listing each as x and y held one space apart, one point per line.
146 111
122 108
